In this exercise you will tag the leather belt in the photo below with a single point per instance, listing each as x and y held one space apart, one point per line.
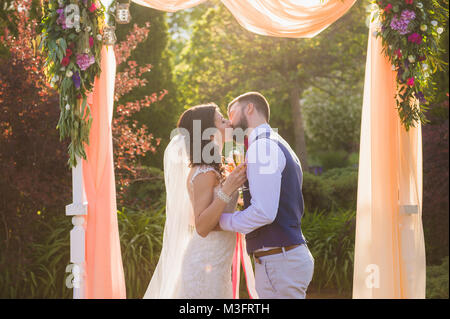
274 251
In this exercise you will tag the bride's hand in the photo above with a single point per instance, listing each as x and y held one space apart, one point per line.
235 180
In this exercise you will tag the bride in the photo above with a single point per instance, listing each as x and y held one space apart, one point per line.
196 259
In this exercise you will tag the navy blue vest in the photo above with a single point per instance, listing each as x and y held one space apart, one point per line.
286 228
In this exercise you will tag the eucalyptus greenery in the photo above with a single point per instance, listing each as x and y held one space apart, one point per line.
71 41
410 32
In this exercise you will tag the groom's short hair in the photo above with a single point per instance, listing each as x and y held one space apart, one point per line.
257 99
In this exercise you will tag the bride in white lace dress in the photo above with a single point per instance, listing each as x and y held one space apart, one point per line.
206 269
196 257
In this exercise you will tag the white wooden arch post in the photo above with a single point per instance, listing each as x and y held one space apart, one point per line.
78 209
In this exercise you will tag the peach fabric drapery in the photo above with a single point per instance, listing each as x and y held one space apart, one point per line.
281 18
104 270
389 245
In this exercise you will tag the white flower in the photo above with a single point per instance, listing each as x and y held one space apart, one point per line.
423 27
99 37
88 28
69 73
393 67
419 5
424 66
434 23
77 30
67 107
426 74
87 51
440 30
63 68
411 59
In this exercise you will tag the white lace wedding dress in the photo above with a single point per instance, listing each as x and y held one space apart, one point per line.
206 266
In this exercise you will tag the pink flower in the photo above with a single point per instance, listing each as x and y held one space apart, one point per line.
85 60
91 42
409 1
92 8
415 38
388 8
398 52
410 81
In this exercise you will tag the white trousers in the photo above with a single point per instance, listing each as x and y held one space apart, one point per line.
286 275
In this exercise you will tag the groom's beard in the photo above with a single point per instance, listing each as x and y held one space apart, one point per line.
243 124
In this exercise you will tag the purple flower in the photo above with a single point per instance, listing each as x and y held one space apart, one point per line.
61 19
76 79
85 60
408 15
401 23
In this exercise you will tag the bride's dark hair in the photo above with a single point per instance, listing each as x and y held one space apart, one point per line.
205 113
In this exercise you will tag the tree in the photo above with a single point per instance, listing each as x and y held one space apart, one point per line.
131 139
223 60
163 114
332 110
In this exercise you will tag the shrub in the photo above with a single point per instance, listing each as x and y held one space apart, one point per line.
146 191
141 240
335 189
435 191
341 187
437 280
39 270
315 193
331 240
333 159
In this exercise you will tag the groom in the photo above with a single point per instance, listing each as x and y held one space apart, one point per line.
273 204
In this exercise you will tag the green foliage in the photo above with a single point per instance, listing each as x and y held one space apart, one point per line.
331 240
437 280
335 189
314 193
147 191
223 60
162 116
39 271
141 241
62 48
333 159
332 113
414 59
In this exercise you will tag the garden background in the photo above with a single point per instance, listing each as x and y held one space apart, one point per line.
169 61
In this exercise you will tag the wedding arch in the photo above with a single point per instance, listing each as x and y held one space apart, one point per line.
389 258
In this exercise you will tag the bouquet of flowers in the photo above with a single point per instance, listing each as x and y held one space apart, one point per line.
410 32
71 41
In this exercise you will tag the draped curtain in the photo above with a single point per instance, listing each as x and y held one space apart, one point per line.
389 242
104 277
388 238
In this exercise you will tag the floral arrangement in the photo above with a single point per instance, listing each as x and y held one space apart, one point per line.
410 32
71 42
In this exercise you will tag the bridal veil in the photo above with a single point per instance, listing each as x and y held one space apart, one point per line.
165 282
